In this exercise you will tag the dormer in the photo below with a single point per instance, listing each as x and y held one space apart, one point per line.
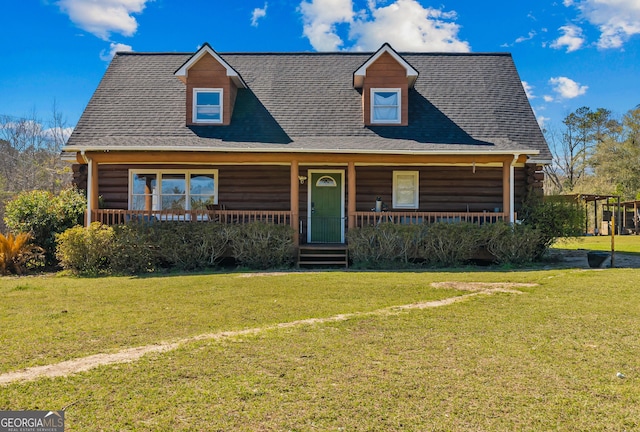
212 86
385 79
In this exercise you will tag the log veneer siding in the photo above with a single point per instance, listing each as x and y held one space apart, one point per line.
264 187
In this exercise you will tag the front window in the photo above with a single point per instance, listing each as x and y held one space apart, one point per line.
207 105
385 106
405 189
173 190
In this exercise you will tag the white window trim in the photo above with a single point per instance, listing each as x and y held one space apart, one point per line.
416 192
372 105
194 109
187 174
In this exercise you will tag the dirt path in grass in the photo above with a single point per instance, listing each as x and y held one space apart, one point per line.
132 354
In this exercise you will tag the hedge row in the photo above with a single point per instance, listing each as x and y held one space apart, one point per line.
139 247
443 244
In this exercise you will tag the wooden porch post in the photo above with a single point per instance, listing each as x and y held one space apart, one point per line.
295 202
506 188
351 199
92 189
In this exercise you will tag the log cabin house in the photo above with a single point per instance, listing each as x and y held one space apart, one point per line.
322 141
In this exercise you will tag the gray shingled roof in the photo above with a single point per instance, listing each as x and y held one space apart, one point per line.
306 102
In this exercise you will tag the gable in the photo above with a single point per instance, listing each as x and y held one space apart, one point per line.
209 79
206 51
387 56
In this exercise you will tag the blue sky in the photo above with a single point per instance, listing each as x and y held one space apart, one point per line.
569 53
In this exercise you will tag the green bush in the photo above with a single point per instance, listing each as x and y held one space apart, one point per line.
554 217
384 245
449 244
86 250
44 215
517 244
134 249
190 246
139 247
262 246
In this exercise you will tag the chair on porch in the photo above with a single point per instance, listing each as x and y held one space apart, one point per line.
212 210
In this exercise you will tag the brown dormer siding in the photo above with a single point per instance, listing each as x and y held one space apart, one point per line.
386 72
208 73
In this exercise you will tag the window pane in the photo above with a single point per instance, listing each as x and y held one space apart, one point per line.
208 113
405 197
385 113
173 202
208 98
202 184
174 184
385 98
144 183
138 202
200 202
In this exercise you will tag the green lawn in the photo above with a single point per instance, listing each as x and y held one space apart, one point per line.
546 359
626 243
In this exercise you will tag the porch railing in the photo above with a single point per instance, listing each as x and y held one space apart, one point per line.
116 217
412 218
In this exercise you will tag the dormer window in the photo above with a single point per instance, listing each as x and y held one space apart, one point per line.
385 105
207 105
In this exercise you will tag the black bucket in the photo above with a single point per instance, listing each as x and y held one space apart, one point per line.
596 259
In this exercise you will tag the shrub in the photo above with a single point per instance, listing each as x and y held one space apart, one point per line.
190 246
134 249
86 250
261 246
44 215
17 253
384 245
517 244
449 244
553 217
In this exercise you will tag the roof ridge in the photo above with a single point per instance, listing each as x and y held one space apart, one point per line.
340 53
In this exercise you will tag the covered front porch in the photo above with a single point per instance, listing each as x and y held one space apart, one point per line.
321 196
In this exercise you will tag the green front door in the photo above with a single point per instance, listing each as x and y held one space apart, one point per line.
325 209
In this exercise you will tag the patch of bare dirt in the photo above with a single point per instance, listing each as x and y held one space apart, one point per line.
486 287
263 274
132 354
569 258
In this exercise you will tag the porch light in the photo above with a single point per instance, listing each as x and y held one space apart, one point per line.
302 179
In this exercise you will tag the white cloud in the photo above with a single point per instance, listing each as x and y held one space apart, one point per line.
547 98
530 36
567 88
113 49
542 120
408 26
103 17
617 20
528 89
257 14
320 18
572 38
58 133
405 24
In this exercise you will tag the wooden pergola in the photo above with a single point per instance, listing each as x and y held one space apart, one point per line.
595 198
635 206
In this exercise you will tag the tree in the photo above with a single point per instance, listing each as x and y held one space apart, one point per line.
30 152
574 146
617 157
